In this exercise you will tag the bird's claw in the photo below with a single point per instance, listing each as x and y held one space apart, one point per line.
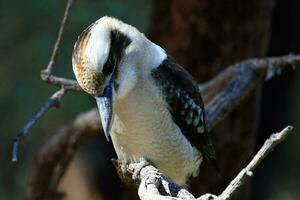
138 167
130 172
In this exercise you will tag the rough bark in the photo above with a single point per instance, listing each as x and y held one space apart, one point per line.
204 36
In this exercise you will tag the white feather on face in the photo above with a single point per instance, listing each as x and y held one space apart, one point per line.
98 48
138 58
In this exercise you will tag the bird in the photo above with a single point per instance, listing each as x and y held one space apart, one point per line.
149 106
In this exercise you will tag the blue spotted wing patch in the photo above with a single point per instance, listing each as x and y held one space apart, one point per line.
184 108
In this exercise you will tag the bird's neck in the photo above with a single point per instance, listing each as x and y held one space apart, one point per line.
143 95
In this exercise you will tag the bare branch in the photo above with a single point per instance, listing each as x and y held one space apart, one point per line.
224 92
53 101
46 74
68 84
48 70
247 172
269 67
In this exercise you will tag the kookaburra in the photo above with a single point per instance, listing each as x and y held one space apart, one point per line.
149 105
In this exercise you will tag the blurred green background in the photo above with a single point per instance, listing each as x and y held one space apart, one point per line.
28 32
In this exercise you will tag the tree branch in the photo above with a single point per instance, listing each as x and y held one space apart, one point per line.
151 182
224 92
46 74
53 101
247 172
49 67
68 84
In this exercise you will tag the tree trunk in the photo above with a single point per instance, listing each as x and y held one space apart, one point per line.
204 36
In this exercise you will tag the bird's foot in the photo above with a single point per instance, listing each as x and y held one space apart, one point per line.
137 168
130 172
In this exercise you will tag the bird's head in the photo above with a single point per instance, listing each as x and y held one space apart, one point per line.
109 58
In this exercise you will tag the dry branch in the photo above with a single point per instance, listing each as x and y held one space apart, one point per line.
268 146
46 74
49 67
224 92
53 101
68 84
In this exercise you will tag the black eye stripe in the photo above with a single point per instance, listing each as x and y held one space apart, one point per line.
118 44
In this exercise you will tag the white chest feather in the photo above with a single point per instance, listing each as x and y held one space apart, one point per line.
143 128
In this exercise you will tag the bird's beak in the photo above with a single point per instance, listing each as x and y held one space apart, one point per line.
105 102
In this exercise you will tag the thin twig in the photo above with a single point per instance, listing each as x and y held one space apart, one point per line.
53 101
68 84
240 179
49 67
46 74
